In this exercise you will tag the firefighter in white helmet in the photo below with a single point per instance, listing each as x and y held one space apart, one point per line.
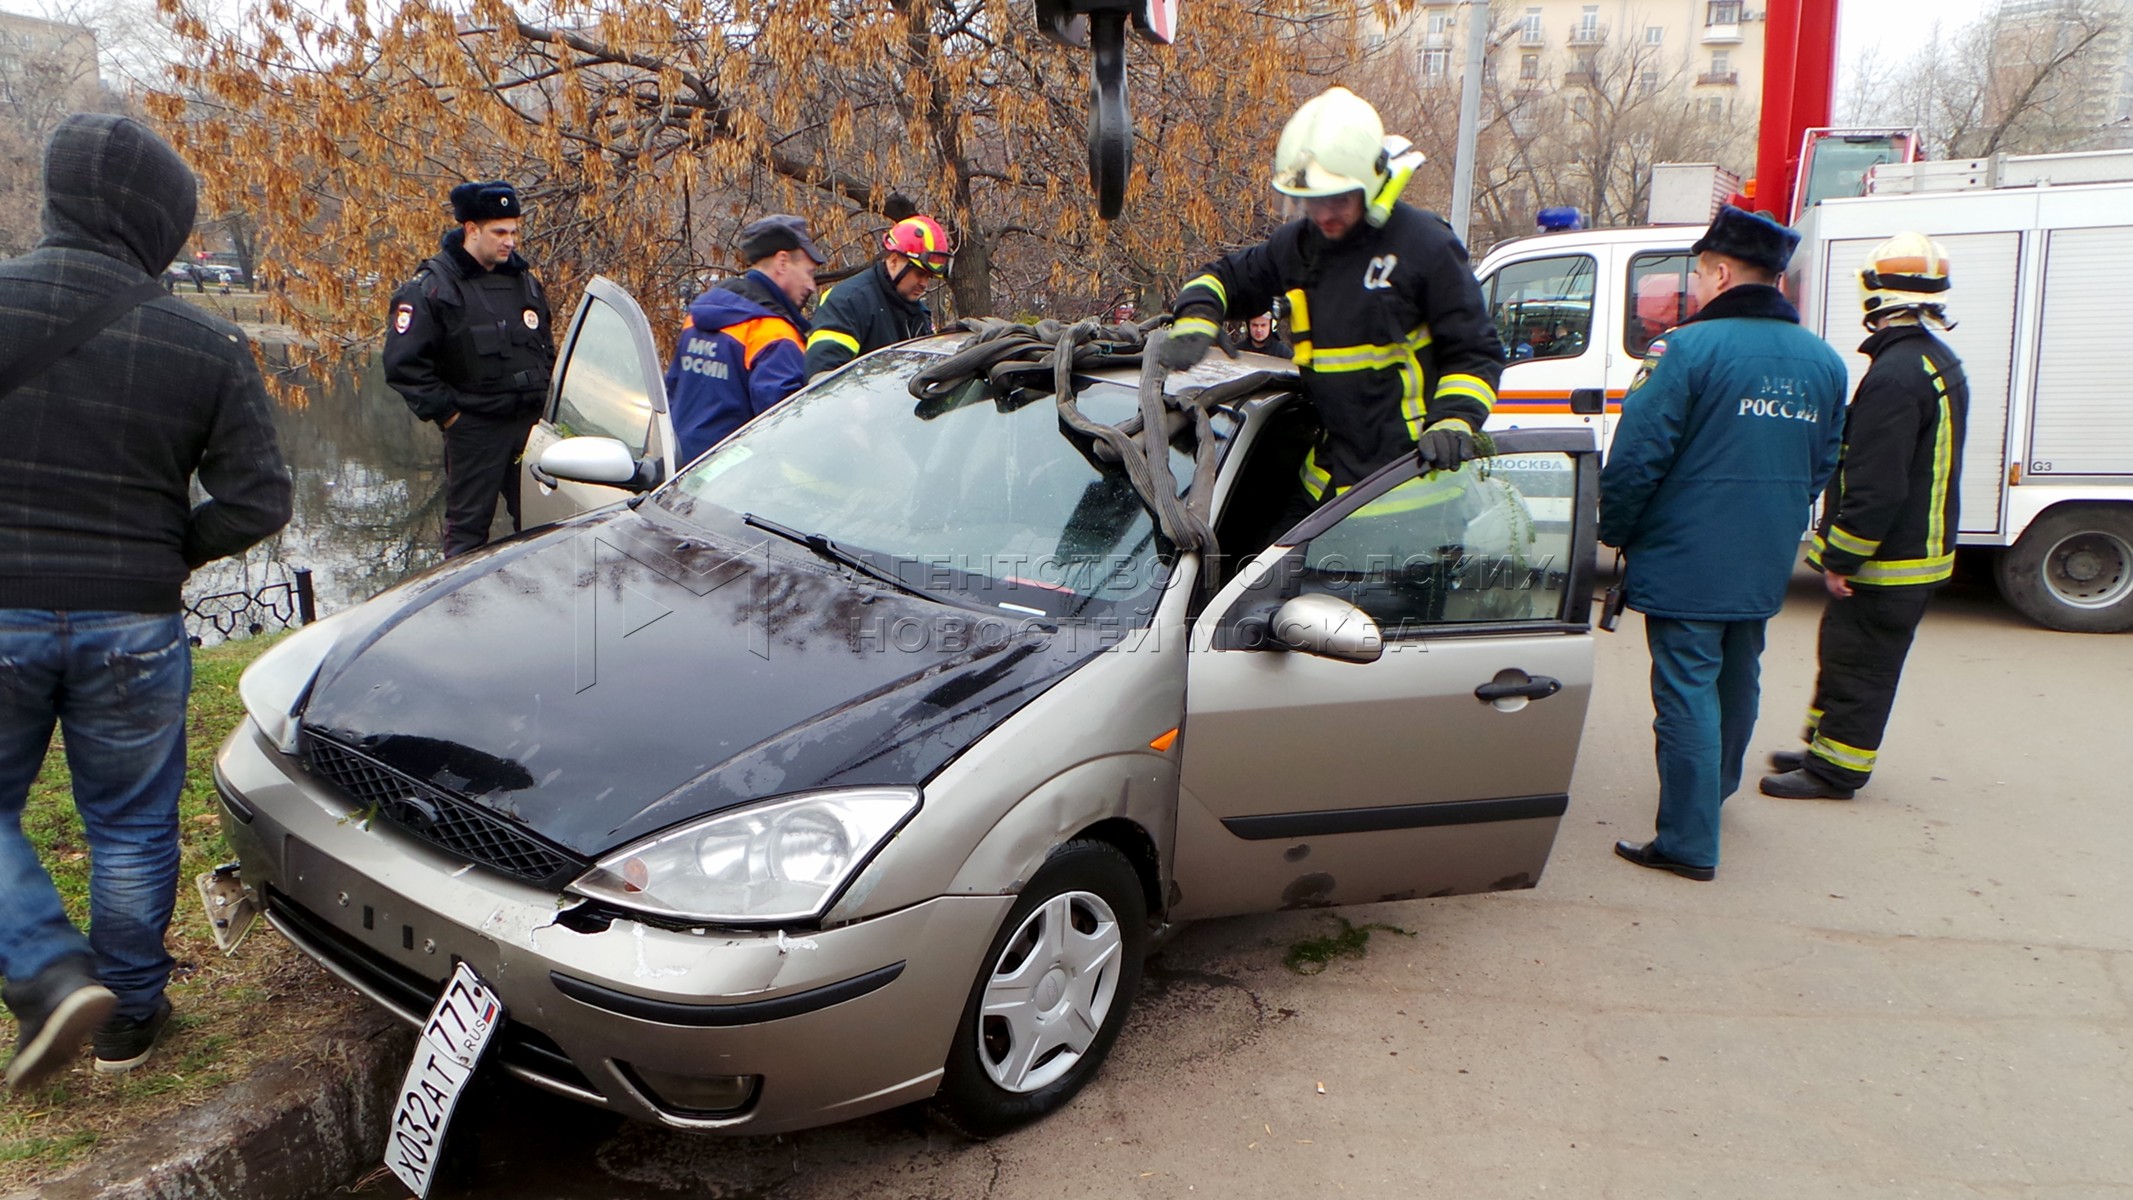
1887 538
1392 339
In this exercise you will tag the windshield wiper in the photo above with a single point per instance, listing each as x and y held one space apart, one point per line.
827 549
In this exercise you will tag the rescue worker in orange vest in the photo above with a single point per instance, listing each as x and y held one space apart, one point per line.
742 352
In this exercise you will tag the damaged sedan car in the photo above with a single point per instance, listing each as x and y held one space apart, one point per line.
860 762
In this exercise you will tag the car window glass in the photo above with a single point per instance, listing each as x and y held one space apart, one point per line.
1487 543
979 492
603 393
1543 306
1658 298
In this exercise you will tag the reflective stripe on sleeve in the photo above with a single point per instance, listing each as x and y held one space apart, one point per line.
1212 284
1852 543
845 340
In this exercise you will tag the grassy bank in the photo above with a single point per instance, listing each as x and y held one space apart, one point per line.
231 1013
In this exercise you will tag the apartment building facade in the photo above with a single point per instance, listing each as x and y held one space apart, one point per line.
1710 50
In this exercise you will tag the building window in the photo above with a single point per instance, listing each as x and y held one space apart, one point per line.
1436 64
1529 66
1588 63
1580 107
1654 35
1440 21
1529 29
1649 80
1721 65
1722 12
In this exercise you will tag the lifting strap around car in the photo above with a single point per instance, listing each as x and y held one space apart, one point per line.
1010 355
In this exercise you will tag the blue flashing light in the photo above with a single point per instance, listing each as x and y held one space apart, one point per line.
1559 219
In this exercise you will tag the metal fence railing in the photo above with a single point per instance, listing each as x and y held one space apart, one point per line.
234 614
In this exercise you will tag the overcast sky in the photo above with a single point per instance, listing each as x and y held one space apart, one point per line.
1895 28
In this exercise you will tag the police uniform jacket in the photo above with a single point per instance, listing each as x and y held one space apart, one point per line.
1731 429
1890 516
861 314
465 339
1389 330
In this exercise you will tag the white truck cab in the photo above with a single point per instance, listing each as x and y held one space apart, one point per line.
2041 251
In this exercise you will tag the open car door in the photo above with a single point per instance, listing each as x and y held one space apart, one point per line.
608 383
1444 765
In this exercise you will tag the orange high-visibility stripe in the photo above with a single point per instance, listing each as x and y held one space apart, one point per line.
759 334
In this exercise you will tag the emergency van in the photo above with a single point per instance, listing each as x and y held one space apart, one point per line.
2041 253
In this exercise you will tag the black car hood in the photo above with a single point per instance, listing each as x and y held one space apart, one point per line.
614 675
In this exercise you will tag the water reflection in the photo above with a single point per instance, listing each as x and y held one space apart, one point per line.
369 497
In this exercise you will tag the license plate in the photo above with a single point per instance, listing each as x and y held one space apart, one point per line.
460 1027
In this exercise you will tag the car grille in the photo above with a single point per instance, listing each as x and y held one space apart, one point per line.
441 818
528 1050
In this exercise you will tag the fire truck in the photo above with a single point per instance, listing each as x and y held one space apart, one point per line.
2041 249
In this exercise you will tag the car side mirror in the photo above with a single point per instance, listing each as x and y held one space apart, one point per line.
1330 627
592 460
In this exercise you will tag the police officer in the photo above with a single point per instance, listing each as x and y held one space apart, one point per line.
883 304
470 348
1729 430
1887 540
1392 340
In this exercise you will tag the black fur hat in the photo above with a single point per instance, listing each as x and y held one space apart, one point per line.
491 201
1750 237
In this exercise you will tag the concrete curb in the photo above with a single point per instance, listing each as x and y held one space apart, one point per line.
295 1125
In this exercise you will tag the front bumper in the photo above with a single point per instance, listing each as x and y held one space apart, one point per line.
836 1023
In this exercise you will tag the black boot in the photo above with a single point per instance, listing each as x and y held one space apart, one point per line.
1803 784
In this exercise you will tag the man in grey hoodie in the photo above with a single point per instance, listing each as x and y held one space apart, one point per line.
97 535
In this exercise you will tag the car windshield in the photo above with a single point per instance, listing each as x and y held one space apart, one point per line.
980 495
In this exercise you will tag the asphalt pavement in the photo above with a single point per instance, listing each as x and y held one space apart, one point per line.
1924 992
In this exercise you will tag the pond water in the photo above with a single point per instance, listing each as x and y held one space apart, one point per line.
369 510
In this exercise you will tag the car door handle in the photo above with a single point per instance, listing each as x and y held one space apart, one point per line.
1588 400
1538 687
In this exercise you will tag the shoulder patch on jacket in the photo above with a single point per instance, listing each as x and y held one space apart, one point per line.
1652 355
403 317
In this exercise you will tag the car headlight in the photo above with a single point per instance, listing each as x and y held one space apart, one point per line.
273 688
781 861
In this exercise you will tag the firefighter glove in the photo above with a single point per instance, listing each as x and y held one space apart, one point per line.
1190 336
1445 445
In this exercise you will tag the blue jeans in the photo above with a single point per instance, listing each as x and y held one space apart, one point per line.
115 683
1706 683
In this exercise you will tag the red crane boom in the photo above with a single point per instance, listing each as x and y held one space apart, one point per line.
1799 88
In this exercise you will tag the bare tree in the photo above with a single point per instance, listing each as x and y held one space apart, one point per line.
2032 76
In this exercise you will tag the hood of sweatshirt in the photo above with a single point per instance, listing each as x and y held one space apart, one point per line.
112 186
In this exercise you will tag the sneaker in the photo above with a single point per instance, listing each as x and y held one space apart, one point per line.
125 1042
58 1007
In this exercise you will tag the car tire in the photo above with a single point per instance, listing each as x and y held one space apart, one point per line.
1051 996
2072 569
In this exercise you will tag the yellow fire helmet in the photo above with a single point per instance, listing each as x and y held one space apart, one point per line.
1907 273
1336 144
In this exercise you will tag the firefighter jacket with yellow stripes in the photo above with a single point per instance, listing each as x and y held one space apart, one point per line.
1889 518
862 314
1390 331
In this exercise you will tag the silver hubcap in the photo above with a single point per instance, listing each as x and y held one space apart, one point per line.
2090 570
1050 991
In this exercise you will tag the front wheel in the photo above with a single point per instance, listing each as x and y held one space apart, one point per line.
1052 996
2072 569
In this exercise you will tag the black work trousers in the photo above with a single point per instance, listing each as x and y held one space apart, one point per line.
1864 639
481 454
